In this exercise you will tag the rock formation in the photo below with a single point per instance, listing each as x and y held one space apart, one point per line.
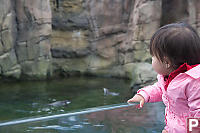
32 44
111 38
103 38
43 38
25 27
8 60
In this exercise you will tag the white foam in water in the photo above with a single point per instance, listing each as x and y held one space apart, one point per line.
90 110
85 123
46 127
57 127
46 109
98 125
76 126
72 118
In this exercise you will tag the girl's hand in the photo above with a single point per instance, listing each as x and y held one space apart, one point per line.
137 98
164 131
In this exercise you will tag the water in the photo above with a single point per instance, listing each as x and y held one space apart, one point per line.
108 119
26 99
29 105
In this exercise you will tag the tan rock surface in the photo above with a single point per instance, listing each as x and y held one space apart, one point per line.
38 37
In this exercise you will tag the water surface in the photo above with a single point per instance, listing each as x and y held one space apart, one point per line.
27 99
126 119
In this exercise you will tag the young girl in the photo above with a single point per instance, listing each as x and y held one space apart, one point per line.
175 50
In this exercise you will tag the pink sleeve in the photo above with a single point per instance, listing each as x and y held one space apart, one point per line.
152 93
193 95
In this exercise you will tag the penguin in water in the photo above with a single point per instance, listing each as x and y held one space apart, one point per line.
107 92
60 103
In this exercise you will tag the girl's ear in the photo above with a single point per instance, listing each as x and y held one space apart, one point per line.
167 66
167 62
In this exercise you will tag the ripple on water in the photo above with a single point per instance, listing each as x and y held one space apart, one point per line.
85 123
98 125
55 127
76 126
72 118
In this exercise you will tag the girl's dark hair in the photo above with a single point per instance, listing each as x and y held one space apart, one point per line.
179 42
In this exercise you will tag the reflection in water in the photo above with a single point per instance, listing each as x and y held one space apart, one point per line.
130 119
150 119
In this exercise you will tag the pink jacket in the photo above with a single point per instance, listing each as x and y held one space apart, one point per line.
182 98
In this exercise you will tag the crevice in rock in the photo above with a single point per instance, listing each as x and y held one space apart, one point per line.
16 28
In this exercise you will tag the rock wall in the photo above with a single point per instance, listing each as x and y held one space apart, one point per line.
33 30
43 38
25 26
8 59
111 38
104 38
87 35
